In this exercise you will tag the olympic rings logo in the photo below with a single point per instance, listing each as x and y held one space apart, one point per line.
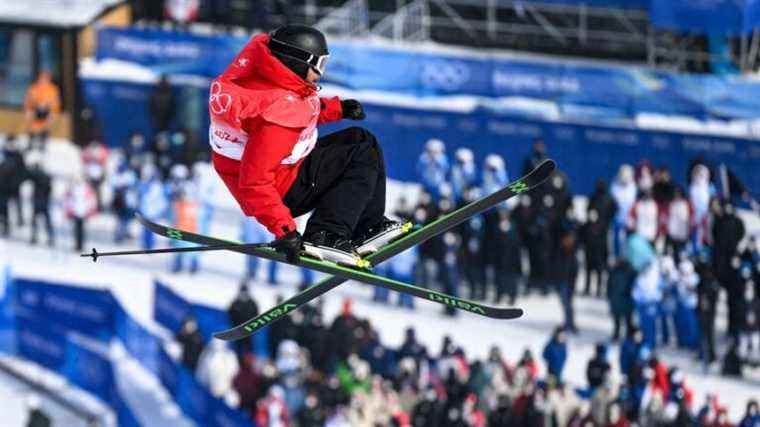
447 75
219 102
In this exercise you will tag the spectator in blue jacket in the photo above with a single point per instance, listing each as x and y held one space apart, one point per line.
555 353
630 349
752 416
463 173
124 185
495 174
433 167
153 200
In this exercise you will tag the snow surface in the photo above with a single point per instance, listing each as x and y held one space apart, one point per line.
130 279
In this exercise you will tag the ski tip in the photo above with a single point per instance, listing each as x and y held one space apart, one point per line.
224 335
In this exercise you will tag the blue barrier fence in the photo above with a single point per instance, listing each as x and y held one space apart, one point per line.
170 309
36 322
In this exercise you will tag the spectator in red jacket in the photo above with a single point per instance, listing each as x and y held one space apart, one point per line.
264 113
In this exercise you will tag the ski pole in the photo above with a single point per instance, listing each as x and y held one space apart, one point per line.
95 254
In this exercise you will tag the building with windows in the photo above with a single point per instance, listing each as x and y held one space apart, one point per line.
49 35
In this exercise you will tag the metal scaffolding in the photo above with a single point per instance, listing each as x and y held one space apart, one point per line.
576 30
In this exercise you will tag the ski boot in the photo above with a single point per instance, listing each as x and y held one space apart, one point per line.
327 246
379 235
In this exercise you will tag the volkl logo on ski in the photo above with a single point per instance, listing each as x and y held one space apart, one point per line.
455 303
518 187
268 317
174 234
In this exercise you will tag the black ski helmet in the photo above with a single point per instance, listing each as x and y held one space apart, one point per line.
300 47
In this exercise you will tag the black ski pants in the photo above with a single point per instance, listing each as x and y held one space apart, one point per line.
343 181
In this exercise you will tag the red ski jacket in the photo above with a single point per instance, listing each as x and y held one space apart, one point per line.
263 124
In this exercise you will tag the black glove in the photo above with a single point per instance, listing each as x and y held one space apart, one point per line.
352 109
290 244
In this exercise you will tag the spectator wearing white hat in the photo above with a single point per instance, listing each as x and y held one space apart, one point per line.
623 191
433 167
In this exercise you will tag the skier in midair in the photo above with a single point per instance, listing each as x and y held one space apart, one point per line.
264 113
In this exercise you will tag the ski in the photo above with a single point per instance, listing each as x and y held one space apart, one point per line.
530 181
345 273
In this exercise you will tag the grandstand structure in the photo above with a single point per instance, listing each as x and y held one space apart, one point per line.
618 30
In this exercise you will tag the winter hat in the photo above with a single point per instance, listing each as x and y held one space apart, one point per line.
464 155
494 161
435 146
179 171
626 173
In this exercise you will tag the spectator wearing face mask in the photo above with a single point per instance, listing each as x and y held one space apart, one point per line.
217 367
472 253
644 217
594 235
751 415
708 293
686 319
508 270
191 341
623 191
701 190
242 309
464 173
750 336
555 354
433 167
124 202
153 200
647 295
619 294
537 155
94 158
679 224
41 197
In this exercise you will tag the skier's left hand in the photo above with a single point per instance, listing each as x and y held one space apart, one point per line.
352 109
290 244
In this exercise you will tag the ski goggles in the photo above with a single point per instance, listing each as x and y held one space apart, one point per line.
317 62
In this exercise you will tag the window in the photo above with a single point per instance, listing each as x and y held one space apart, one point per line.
16 65
49 55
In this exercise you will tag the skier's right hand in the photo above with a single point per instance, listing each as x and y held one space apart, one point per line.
291 245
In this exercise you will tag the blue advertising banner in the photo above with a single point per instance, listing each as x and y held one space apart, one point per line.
168 371
197 403
169 308
169 52
138 341
7 318
706 16
616 91
90 371
125 415
40 344
85 310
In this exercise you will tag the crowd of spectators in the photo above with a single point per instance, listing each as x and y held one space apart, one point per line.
340 373
660 253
